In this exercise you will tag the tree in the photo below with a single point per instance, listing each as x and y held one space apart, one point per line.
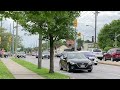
107 34
54 25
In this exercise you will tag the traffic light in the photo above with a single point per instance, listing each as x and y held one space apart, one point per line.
92 38
10 39
75 23
79 34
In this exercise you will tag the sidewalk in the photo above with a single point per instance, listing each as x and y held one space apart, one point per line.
18 71
110 63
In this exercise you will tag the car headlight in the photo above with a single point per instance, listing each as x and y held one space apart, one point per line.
90 63
72 63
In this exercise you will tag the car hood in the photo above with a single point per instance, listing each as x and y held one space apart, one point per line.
79 60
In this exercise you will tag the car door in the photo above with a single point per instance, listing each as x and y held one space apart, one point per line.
64 60
108 54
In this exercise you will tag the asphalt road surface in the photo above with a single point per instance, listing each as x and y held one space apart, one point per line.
100 71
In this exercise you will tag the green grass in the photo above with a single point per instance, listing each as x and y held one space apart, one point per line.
4 72
43 72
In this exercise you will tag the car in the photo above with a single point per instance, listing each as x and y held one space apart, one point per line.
58 55
112 54
21 55
98 53
72 61
44 55
91 56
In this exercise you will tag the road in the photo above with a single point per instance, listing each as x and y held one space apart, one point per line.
100 71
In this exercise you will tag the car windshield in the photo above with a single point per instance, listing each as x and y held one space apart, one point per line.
46 53
88 53
118 51
76 56
96 50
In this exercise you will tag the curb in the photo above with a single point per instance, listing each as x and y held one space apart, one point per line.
107 63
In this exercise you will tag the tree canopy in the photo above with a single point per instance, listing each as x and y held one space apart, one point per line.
107 34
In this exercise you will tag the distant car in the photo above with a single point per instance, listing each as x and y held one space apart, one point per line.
71 61
58 55
91 56
98 53
21 55
112 54
44 55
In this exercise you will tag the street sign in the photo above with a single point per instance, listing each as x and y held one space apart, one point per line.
75 23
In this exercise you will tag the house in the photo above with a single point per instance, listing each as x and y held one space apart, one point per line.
61 49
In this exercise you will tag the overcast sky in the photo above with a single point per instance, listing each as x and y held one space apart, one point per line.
86 18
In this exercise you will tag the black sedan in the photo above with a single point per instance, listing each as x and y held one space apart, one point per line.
71 61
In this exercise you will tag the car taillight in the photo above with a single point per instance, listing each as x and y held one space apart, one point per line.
114 55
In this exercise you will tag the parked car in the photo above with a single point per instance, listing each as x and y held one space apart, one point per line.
91 56
71 61
112 54
98 53
21 55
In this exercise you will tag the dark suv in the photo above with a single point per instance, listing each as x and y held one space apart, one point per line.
112 54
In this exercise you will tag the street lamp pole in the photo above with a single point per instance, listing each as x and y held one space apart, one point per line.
96 14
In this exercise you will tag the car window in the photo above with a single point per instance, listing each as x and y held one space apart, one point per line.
118 51
96 50
76 56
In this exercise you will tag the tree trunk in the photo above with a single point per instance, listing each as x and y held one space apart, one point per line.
40 52
51 55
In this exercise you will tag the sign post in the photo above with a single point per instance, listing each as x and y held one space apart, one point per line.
75 25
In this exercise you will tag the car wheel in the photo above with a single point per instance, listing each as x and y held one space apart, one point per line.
90 70
60 66
95 63
68 68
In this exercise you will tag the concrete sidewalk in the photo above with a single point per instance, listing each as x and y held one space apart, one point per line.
110 63
18 71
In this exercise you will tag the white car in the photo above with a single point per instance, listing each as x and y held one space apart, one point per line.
98 53
91 56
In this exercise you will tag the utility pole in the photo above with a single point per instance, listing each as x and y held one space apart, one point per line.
96 14
10 42
40 52
13 39
75 25
16 41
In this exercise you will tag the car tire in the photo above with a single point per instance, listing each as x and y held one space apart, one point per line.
95 63
90 70
68 68
60 66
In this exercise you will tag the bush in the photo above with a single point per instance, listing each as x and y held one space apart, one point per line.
107 48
